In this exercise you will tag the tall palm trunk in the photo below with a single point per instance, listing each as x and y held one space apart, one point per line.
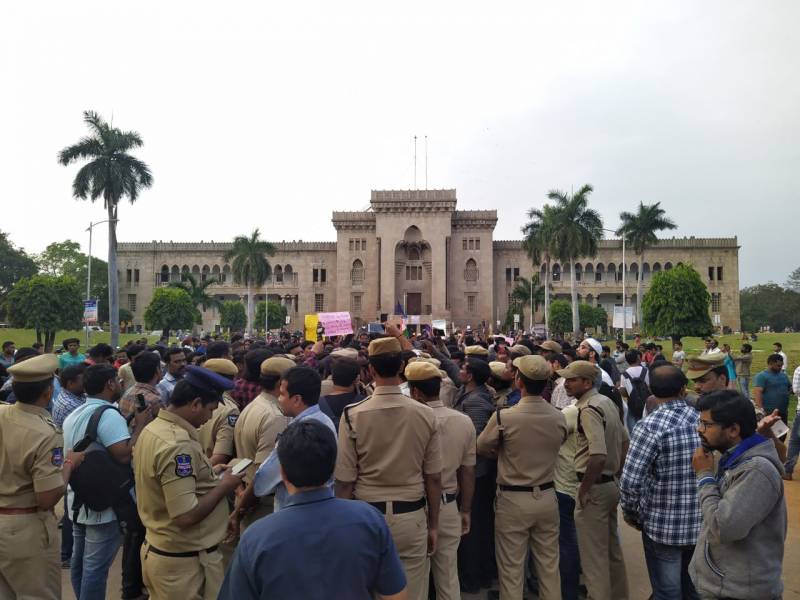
639 277
249 308
573 290
113 280
547 297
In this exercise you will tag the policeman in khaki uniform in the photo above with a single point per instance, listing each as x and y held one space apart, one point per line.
259 426
457 437
476 351
31 484
525 439
389 456
181 501
216 436
602 442
502 381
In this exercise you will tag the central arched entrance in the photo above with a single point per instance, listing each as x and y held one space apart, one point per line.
412 257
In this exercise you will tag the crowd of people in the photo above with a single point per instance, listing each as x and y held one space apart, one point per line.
394 465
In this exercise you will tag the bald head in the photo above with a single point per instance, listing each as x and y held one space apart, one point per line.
667 381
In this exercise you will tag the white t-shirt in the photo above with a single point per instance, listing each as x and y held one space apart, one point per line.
785 360
634 372
678 357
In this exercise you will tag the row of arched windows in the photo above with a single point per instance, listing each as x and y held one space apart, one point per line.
222 274
591 272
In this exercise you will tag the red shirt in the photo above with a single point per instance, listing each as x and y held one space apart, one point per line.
244 391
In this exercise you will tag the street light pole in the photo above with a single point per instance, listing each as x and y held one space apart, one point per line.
89 270
624 300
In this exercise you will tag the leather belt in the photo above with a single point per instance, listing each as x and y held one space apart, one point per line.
191 554
19 511
448 498
525 488
400 506
601 479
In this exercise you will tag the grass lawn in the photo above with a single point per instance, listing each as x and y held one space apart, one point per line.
761 350
26 337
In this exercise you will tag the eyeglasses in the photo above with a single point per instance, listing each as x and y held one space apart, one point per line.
706 424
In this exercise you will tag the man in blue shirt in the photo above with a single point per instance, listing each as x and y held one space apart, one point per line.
772 387
658 489
318 546
299 399
97 535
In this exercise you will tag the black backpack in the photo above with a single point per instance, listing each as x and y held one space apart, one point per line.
639 393
100 482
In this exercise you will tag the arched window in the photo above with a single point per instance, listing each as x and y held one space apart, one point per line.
633 271
288 274
216 274
174 274
205 272
598 273
357 272
578 271
656 267
278 270
413 253
589 270
471 271
667 266
196 272
164 274
226 274
184 271
556 272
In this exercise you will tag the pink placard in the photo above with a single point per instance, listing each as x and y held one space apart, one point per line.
336 323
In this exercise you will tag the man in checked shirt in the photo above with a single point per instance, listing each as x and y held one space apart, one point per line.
658 488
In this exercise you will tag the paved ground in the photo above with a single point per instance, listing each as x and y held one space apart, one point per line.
632 547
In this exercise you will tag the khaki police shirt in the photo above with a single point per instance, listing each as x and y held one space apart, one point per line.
565 477
457 438
500 397
533 432
386 443
598 439
448 392
216 435
31 455
171 472
257 429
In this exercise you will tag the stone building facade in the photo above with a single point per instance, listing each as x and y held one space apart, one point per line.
412 252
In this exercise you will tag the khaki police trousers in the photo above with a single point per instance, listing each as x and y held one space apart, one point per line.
29 557
410 534
598 542
524 519
182 578
444 564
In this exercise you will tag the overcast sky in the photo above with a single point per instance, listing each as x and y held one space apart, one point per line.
273 114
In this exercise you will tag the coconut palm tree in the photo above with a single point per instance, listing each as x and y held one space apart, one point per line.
111 173
578 229
640 230
521 294
537 243
250 266
198 291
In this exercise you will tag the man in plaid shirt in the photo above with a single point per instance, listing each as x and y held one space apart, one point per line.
658 488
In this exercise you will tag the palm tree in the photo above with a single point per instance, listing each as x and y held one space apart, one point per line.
640 230
112 173
250 266
538 244
521 294
578 230
198 291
